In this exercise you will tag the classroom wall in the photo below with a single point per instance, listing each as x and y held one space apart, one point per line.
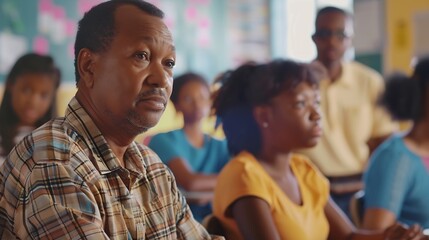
211 36
402 28
49 27
369 32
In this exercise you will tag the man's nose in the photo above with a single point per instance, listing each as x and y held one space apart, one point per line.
159 77
332 40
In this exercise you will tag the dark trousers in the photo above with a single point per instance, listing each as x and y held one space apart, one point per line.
343 201
342 190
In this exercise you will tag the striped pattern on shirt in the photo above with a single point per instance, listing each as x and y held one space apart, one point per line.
64 182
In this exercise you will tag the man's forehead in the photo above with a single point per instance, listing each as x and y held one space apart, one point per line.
165 40
333 19
142 26
336 22
129 16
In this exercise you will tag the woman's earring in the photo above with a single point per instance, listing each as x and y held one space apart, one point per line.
265 125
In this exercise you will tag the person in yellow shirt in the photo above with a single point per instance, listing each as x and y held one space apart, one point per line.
353 122
266 191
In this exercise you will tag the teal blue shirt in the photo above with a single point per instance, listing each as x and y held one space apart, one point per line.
208 159
398 180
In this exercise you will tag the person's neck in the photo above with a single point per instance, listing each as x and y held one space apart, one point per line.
24 125
275 163
418 137
334 70
117 139
194 133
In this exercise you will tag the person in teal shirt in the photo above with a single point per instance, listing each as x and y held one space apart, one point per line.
397 179
194 157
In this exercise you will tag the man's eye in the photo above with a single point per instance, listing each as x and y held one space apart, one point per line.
142 56
170 63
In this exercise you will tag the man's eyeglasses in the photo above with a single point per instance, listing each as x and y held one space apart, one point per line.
325 34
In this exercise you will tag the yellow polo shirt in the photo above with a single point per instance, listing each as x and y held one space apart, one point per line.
350 118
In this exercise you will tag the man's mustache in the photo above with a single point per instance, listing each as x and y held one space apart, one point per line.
155 92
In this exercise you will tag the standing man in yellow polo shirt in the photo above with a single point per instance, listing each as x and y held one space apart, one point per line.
353 123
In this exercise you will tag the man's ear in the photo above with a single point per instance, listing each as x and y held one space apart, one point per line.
262 115
86 64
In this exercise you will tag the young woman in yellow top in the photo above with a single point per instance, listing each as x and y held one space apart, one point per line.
266 191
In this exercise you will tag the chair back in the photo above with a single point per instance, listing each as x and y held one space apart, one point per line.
357 208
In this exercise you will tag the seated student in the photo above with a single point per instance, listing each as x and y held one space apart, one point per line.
266 191
397 179
28 99
194 157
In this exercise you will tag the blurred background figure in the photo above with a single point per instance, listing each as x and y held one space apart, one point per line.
29 99
397 179
353 123
195 158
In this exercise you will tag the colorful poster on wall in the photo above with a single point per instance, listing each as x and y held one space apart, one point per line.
401 35
249 31
211 36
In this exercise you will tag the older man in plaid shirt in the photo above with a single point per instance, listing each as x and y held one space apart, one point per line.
83 176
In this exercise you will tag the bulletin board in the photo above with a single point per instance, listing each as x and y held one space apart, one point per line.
42 26
205 41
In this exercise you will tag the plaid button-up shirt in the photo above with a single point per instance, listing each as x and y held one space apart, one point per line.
64 182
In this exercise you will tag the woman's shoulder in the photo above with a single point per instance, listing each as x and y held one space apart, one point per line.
215 139
242 164
243 175
305 167
168 134
392 148
243 160
218 143
390 157
302 161
394 139
173 135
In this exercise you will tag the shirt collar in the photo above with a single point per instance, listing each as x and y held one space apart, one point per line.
105 159
345 79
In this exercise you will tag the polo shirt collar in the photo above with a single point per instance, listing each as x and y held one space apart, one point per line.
346 77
